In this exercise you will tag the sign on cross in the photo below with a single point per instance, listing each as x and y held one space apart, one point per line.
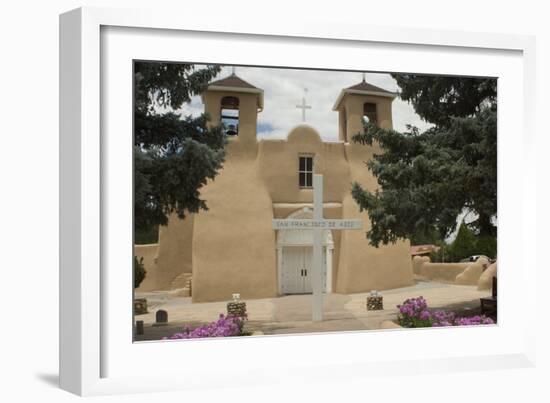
317 225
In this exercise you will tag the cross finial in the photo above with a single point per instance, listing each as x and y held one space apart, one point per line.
232 70
363 76
304 106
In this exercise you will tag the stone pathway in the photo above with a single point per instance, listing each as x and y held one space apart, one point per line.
292 313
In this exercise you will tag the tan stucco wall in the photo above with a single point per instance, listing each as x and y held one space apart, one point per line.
442 271
234 243
149 254
175 249
278 163
472 273
418 261
485 281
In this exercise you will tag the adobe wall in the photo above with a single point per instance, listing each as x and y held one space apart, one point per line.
278 164
175 249
363 267
485 281
465 273
234 242
442 271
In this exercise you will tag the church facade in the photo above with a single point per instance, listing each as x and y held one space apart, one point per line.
233 248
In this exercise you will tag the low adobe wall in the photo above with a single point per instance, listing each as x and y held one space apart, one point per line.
473 272
149 254
468 273
442 271
437 271
417 263
485 281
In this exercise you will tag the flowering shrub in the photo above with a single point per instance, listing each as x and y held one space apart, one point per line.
474 320
414 312
443 318
225 326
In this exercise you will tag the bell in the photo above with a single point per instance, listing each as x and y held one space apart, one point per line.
231 130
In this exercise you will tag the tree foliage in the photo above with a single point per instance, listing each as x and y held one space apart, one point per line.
466 244
428 178
139 271
174 156
146 236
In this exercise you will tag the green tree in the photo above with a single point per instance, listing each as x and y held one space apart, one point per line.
146 236
427 179
139 271
464 245
174 156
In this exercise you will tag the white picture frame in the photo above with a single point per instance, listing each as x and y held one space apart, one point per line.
92 336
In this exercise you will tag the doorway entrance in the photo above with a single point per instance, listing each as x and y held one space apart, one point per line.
295 258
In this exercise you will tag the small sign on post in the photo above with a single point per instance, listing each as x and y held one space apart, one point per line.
318 224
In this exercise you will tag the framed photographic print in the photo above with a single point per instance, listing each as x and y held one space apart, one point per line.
311 200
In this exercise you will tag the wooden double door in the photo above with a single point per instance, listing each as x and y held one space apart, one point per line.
297 270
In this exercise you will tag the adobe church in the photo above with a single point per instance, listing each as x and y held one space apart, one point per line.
233 248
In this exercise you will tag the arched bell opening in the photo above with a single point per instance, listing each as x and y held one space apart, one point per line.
230 115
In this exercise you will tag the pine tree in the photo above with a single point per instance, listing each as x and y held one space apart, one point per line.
174 156
427 179
464 245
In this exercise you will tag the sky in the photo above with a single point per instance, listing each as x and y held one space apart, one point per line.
284 89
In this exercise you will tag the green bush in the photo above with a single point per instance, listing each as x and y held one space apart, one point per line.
487 245
464 245
139 271
442 255
146 236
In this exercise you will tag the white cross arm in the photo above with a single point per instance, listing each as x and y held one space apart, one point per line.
336 224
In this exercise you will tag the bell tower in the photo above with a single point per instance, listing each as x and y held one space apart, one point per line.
359 103
236 104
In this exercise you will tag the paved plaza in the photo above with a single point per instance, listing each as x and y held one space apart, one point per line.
292 313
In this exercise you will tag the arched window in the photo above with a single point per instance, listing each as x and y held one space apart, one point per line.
230 115
369 113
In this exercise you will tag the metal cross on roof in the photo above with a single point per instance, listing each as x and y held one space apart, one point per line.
304 106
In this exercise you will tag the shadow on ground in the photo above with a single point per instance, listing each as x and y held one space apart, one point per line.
49 379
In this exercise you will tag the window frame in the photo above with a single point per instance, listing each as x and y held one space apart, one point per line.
305 171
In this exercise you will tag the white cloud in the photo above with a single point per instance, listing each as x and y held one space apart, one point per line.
284 89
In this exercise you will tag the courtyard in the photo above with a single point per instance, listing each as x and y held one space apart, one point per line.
292 313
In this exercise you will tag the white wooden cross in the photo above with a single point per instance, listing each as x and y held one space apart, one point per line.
317 225
303 106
